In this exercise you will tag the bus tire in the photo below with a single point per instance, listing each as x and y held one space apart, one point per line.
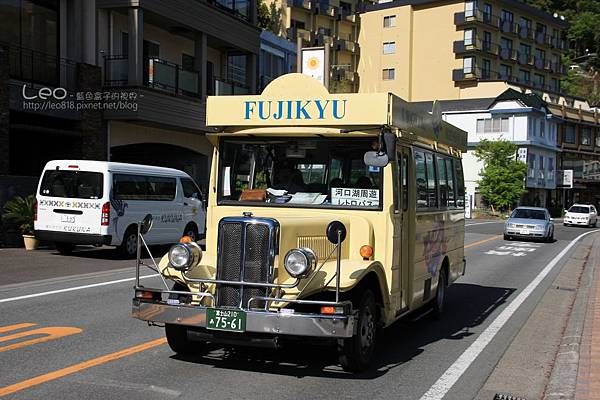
356 352
439 302
128 247
177 335
191 230
64 248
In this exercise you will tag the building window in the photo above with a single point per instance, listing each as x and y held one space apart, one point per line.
507 16
554 85
485 69
540 80
505 72
525 26
524 53
550 164
487 13
492 125
542 163
389 21
389 74
569 134
540 29
468 65
524 76
597 137
487 41
585 136
470 7
542 127
236 71
469 37
531 162
389 47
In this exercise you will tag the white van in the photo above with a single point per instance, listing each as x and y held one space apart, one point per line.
100 203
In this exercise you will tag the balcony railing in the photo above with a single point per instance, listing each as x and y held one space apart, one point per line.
460 47
508 26
223 87
477 16
525 32
346 45
525 58
478 73
240 8
306 4
507 53
158 74
41 68
294 33
539 62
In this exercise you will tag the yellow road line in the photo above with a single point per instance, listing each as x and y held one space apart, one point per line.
79 367
483 241
50 333
9 328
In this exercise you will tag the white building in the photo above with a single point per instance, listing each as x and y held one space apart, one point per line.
519 118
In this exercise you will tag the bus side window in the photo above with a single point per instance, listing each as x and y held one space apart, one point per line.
442 181
432 199
450 172
404 173
460 184
421 179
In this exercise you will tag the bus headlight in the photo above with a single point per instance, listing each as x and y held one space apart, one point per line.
182 256
299 263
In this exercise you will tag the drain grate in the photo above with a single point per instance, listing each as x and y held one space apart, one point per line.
500 396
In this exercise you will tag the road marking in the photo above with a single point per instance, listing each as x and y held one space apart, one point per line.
483 241
79 367
71 289
483 223
50 333
458 368
9 328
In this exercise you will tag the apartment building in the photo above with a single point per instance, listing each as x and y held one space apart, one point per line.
333 23
117 79
277 57
423 50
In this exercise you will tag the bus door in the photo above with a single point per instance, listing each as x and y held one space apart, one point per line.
402 226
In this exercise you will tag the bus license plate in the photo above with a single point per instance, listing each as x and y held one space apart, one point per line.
225 320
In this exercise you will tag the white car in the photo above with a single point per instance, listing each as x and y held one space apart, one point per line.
100 203
581 214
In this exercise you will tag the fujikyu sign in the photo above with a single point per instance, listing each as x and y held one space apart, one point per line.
291 110
298 100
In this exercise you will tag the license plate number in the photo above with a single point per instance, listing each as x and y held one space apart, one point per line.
525 232
226 320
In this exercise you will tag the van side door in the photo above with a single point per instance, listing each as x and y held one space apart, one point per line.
193 205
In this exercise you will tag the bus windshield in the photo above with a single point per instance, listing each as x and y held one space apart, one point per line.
305 172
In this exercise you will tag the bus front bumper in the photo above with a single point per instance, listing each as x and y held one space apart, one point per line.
264 322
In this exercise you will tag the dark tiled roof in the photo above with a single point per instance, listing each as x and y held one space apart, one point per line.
529 99
456 105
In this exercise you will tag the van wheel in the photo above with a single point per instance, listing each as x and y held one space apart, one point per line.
356 352
128 247
439 302
177 335
64 248
192 231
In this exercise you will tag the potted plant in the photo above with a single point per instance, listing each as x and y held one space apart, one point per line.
20 211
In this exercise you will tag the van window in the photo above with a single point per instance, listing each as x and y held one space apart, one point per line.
190 188
137 187
72 184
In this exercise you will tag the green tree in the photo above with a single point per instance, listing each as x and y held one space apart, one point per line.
263 17
501 183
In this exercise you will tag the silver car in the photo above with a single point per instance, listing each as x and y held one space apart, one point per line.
529 222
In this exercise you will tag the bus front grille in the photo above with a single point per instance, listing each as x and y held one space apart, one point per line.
246 250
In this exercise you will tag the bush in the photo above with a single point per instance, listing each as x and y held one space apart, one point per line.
20 211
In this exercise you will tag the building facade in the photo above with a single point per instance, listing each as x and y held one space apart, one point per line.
117 80
277 57
333 23
423 50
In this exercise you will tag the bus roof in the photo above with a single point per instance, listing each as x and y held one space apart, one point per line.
300 102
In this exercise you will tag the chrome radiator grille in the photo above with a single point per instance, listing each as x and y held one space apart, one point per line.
246 249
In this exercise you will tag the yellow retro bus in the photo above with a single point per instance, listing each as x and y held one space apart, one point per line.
329 216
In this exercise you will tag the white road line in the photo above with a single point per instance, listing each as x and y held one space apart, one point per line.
71 289
483 223
457 369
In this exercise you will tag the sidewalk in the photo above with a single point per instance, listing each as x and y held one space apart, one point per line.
588 373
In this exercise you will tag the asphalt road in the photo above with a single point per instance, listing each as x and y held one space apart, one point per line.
74 344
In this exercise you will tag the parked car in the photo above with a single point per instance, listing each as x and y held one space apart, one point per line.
529 222
100 203
581 214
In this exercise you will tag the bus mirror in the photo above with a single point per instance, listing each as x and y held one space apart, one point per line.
332 232
376 159
146 224
389 138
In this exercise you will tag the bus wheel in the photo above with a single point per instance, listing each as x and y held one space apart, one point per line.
64 248
356 352
440 294
128 247
177 335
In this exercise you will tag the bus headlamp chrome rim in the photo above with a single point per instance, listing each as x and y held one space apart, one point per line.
182 256
300 262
